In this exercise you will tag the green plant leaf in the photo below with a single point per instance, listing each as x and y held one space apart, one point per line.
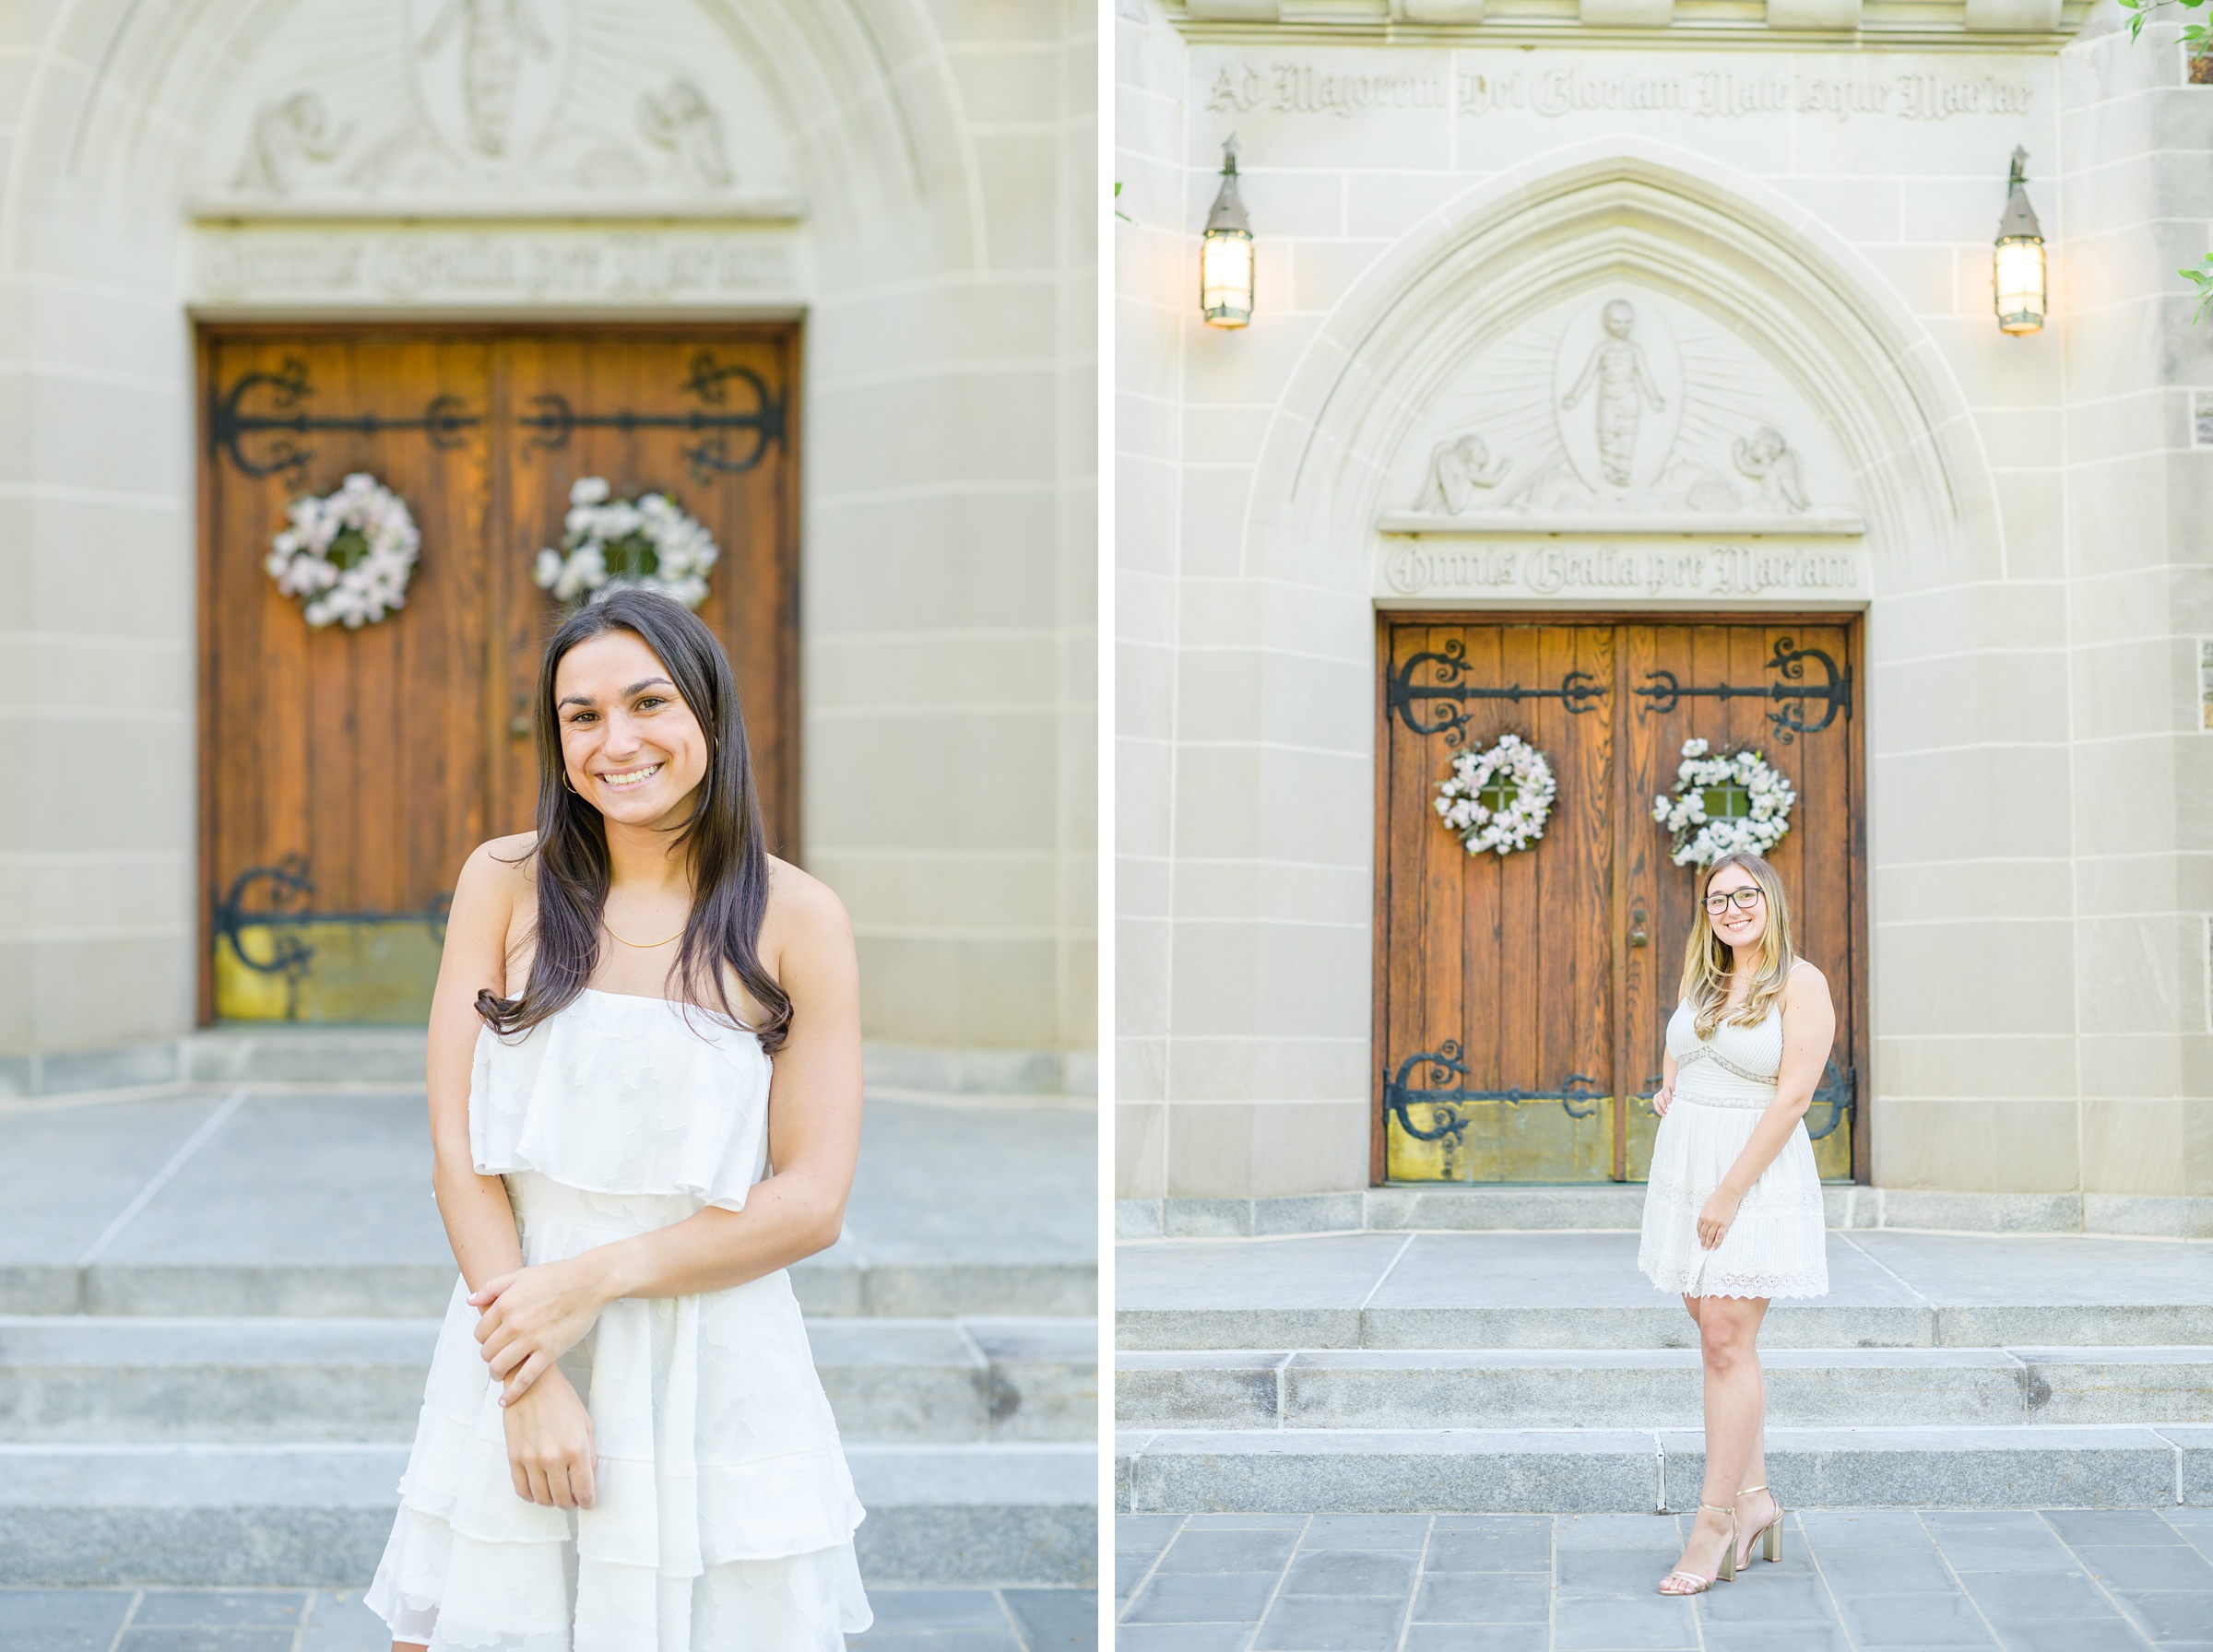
2201 276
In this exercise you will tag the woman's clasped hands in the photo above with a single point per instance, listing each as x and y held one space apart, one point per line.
527 1320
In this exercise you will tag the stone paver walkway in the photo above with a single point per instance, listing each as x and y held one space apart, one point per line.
2060 1580
327 1621
314 1176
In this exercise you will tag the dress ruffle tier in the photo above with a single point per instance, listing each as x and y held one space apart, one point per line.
725 1511
1777 1245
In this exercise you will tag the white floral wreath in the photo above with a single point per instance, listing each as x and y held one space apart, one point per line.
1513 766
1699 839
350 552
646 542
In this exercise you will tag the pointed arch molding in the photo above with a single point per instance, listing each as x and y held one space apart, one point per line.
1750 260
132 122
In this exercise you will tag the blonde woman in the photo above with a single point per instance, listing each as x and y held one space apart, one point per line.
1732 1209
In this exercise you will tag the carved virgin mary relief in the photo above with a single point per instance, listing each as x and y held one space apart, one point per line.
488 75
498 104
1620 411
1620 395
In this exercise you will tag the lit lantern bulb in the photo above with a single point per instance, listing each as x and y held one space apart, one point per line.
1226 252
2017 265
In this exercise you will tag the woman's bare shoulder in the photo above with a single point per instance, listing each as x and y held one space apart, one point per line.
498 868
1805 980
801 907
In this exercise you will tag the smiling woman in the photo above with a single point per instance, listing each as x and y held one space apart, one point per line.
1732 1212
604 1118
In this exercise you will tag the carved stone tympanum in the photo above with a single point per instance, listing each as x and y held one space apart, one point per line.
490 107
1624 411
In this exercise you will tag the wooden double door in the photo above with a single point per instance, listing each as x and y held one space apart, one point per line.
1521 1001
346 775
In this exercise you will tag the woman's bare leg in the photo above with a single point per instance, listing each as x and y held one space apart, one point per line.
1735 1414
1752 1513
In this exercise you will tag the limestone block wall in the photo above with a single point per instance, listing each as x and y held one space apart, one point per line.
1374 175
942 264
951 744
2139 141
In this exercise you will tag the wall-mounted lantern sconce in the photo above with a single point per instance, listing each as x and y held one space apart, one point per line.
2019 258
1226 252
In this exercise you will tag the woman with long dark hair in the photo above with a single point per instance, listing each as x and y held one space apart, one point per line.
640 1013
1733 1214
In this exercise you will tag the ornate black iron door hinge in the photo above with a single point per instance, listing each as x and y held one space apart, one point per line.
289 899
1834 1098
257 421
714 421
234 431
1578 1094
1663 691
1407 698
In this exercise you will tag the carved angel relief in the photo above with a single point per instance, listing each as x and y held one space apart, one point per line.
1456 469
1602 412
290 137
504 100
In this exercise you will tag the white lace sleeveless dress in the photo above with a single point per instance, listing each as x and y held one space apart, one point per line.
1777 1245
725 1512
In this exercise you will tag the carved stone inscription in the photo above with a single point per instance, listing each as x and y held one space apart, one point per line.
1624 572
1472 86
464 267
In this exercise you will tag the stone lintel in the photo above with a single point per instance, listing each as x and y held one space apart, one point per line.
1820 525
1697 24
766 207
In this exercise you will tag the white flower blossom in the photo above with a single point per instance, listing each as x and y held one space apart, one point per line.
1521 768
651 525
376 581
1698 840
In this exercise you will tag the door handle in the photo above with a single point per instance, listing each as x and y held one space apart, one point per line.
1638 936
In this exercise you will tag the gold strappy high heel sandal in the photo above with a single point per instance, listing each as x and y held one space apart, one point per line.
1727 1574
1769 1536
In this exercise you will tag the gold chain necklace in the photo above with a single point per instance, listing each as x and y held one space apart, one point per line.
646 946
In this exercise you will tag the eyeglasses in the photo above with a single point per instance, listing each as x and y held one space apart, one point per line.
1745 899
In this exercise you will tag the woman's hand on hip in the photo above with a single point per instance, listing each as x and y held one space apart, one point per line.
528 1319
549 1447
1662 1099
1714 1220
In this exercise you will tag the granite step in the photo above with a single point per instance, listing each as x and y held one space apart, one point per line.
317 1201
827 1286
1524 1388
1596 1470
114 1379
1583 1290
1562 1326
317 1515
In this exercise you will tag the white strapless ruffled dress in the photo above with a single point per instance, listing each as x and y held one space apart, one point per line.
1778 1243
725 1511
